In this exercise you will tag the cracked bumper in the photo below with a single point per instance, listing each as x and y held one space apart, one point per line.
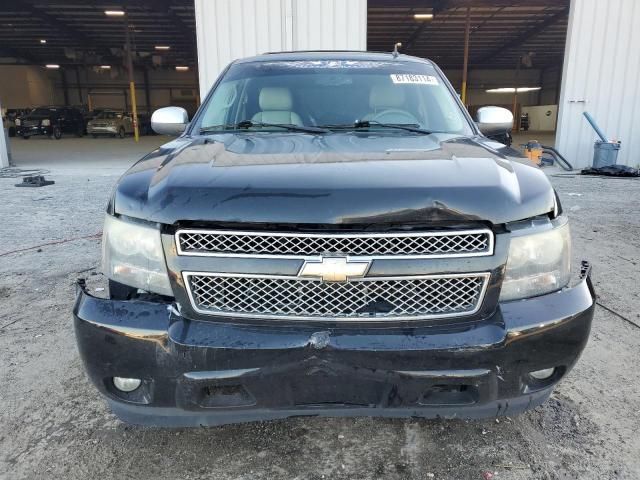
211 373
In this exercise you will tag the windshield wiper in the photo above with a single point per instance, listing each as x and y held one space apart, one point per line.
247 124
364 124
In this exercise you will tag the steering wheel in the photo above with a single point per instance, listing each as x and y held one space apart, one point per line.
393 115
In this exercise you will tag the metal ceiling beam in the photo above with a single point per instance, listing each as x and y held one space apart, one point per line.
65 27
17 53
104 4
185 31
438 7
466 3
520 40
58 26
165 7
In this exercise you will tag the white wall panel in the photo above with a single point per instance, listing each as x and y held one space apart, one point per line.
601 76
329 24
542 118
231 29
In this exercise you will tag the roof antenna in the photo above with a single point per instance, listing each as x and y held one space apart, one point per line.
395 49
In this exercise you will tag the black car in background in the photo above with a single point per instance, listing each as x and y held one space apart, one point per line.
144 124
51 121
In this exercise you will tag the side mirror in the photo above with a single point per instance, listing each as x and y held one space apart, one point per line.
169 120
494 120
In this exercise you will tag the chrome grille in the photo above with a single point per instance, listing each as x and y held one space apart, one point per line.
427 244
371 298
30 123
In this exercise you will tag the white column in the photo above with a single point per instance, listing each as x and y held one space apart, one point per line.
230 29
4 147
601 76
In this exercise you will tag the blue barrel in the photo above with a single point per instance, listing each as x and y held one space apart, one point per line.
605 154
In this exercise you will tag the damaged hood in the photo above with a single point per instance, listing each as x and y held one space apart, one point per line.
338 178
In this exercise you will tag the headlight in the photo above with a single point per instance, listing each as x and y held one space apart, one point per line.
132 254
46 122
538 263
18 122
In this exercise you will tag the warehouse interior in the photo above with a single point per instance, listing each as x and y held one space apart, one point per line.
73 53
567 57
510 43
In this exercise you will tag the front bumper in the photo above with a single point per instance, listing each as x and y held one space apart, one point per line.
23 131
108 130
211 373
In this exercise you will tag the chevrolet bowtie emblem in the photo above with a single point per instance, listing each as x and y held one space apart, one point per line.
334 269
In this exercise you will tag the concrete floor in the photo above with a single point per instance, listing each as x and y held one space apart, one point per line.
53 424
71 154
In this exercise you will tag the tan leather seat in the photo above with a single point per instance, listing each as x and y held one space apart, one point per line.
384 97
275 105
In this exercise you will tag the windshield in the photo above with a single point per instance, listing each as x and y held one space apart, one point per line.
109 115
43 111
333 94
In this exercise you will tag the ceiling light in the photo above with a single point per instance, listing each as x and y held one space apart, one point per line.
501 90
182 68
162 47
114 13
513 90
529 89
43 41
52 65
105 67
423 16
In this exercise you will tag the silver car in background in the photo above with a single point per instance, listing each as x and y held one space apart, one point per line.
109 122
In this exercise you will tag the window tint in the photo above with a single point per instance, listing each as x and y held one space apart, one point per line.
321 93
108 115
44 111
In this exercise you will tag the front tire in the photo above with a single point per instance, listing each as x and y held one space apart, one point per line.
57 133
26 137
121 132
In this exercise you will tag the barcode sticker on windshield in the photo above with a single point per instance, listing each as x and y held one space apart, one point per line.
411 78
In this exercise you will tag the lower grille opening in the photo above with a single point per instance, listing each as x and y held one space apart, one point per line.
226 396
409 297
321 386
442 395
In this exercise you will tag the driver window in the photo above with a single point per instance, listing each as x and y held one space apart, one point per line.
222 103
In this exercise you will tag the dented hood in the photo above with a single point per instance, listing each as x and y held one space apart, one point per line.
332 179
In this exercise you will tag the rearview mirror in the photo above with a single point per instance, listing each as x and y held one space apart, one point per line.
494 120
169 120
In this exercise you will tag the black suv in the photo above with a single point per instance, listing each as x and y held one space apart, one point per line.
332 235
51 121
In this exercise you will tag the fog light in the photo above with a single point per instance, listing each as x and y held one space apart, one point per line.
543 374
126 384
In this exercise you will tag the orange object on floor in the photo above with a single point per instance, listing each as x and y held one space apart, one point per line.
533 151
